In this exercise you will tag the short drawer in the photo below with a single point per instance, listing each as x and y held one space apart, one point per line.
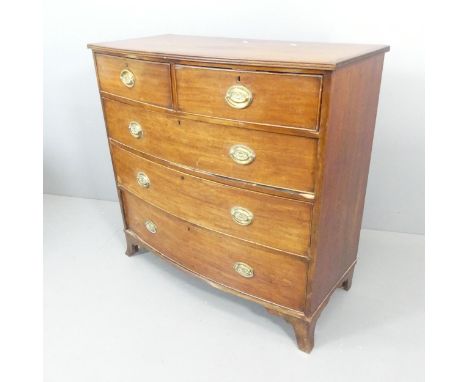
252 270
278 160
260 218
138 80
267 98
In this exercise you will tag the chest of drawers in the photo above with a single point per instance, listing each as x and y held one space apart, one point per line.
244 162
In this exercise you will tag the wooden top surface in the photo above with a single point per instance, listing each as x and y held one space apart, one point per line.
233 50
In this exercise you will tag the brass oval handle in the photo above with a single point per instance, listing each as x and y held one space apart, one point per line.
238 97
242 154
127 78
143 179
151 226
135 129
241 215
245 270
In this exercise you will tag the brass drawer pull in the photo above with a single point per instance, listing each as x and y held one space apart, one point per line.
242 154
241 215
128 78
135 129
143 179
151 226
245 270
238 97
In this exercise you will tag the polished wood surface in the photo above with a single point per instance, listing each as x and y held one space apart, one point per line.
278 222
202 91
234 50
285 130
152 80
281 160
346 149
280 279
310 125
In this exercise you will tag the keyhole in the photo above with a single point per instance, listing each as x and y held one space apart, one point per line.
238 78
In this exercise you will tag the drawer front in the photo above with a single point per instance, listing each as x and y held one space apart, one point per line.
280 160
277 278
276 99
138 80
273 221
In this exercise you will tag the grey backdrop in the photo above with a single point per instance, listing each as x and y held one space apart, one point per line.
76 158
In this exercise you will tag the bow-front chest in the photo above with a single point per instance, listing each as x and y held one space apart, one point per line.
244 162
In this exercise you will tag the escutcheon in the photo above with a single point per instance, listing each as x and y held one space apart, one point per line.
143 179
135 129
241 215
242 154
245 270
238 97
151 226
127 78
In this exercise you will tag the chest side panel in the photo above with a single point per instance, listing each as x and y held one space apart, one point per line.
345 152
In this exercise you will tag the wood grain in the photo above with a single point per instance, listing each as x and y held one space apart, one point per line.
152 84
281 160
278 222
280 279
243 51
287 130
311 126
278 99
352 109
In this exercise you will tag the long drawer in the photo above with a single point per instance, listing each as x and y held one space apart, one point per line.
259 97
273 277
268 220
260 157
138 80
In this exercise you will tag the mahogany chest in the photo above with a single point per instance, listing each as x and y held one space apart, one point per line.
244 162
